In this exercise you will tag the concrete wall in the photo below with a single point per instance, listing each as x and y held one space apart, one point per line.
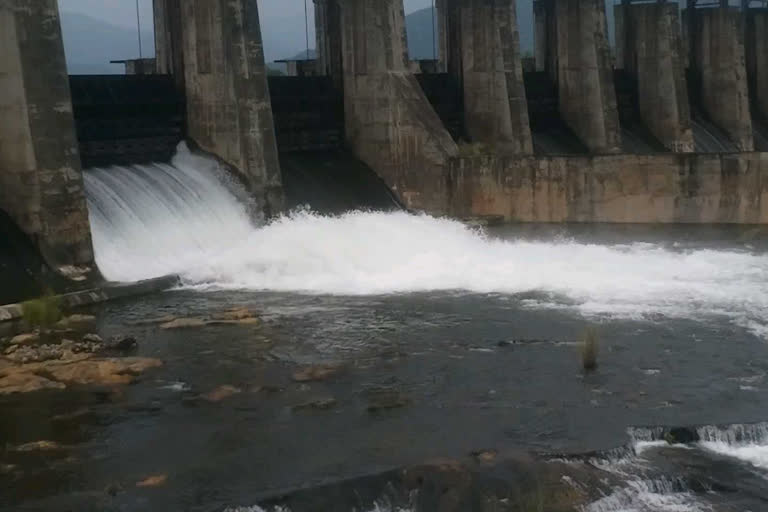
169 51
757 57
495 107
648 46
41 185
579 61
719 61
664 188
228 106
390 124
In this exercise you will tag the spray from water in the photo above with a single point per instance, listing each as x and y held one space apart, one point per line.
185 218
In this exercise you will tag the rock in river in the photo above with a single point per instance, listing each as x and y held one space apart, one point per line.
315 373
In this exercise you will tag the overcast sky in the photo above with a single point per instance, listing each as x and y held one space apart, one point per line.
123 12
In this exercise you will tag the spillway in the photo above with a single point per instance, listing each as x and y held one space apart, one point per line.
188 218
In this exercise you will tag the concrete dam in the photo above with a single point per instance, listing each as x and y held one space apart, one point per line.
667 127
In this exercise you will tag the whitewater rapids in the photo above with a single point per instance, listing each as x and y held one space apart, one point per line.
186 219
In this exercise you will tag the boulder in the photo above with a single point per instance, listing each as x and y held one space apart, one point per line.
93 338
682 435
25 339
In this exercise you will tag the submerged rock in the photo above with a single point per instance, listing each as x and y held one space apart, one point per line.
183 323
236 314
316 373
319 404
121 344
153 481
384 398
39 446
221 393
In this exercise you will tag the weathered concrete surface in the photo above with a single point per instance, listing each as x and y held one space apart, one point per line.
96 295
757 57
718 58
169 50
41 185
328 40
495 107
228 105
663 188
574 46
390 124
648 46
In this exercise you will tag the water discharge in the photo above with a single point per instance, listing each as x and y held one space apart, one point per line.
186 218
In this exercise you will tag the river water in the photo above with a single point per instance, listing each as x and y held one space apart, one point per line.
478 330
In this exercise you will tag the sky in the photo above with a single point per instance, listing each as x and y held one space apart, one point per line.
282 21
123 12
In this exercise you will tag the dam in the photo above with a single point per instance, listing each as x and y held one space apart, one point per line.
483 281
668 126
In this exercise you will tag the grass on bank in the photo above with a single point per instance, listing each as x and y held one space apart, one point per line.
590 345
42 312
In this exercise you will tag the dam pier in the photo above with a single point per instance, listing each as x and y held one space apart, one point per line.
669 126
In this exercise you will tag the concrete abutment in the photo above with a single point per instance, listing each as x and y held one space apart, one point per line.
41 185
648 47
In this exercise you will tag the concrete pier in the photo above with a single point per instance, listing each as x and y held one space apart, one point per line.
718 63
757 58
390 124
495 108
648 45
41 185
228 105
572 42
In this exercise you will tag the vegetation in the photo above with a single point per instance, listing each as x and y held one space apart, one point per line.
42 312
589 349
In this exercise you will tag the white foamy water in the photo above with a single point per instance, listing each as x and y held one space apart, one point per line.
747 443
649 496
154 220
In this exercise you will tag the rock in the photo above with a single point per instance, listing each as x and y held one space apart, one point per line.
485 456
319 404
160 320
93 338
11 349
121 344
25 339
384 398
183 323
221 393
236 314
102 372
682 435
26 383
315 373
6 469
38 446
75 321
153 481
113 489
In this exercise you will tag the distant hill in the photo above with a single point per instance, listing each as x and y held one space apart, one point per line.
90 44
